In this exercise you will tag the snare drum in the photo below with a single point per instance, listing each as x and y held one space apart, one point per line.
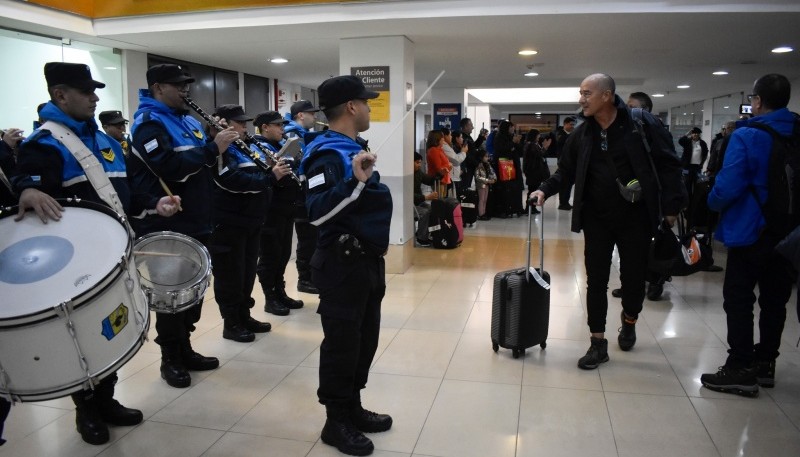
173 271
73 311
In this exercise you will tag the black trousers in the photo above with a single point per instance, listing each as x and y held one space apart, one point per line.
174 329
565 192
306 245
748 266
5 407
350 309
275 249
234 255
628 229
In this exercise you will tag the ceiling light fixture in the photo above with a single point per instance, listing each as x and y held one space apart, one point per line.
423 103
720 73
109 68
684 86
782 49
658 95
531 74
528 52
278 60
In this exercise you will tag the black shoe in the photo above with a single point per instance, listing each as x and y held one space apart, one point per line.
175 373
616 293
423 243
274 306
765 373
198 362
565 206
286 300
256 326
370 422
484 218
91 426
627 333
597 354
115 414
654 291
306 286
713 268
234 330
344 436
739 381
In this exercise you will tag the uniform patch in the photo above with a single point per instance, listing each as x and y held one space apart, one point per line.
108 154
198 134
36 178
115 322
316 181
151 145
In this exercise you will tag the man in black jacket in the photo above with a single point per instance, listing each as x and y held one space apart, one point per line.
695 153
604 152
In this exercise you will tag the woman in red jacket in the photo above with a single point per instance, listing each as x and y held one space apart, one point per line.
438 164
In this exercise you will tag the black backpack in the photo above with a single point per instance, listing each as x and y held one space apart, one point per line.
782 208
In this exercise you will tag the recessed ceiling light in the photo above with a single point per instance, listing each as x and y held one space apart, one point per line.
531 74
782 49
528 52
725 107
278 60
538 114
658 95
720 73
109 68
684 86
423 103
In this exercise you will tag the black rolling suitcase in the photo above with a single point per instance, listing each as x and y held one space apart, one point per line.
445 225
469 206
521 303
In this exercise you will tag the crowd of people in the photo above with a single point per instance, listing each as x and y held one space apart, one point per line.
227 190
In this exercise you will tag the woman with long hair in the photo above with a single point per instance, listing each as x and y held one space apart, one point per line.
438 164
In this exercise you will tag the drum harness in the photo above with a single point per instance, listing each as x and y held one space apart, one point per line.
99 180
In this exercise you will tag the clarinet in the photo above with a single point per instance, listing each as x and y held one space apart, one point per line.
241 144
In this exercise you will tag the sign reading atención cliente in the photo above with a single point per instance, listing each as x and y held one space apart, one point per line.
377 79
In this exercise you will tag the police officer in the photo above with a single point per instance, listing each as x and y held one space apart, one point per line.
276 234
353 211
168 144
47 169
114 125
302 120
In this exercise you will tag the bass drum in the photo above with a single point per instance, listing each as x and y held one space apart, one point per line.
73 311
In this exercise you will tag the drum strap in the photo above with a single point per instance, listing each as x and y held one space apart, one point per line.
6 182
91 166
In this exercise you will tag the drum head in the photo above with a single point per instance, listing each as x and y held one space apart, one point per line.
42 265
170 261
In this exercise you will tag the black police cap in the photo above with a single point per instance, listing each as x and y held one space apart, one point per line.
167 73
342 89
75 75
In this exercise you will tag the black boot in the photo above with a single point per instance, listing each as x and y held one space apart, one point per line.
340 433
289 302
111 410
195 361
255 326
306 286
273 304
368 421
172 369
235 330
88 421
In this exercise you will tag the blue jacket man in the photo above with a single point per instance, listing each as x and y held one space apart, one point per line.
752 259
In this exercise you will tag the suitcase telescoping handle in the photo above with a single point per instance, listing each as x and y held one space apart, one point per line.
531 271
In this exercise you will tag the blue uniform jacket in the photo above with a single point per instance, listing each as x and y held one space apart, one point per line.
746 164
243 190
46 164
337 202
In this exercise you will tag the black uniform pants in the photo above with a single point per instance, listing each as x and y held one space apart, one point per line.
748 266
629 231
275 249
174 329
5 407
350 309
234 255
306 245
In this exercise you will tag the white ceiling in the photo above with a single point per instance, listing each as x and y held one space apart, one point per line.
650 46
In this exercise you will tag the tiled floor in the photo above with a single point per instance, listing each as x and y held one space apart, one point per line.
449 394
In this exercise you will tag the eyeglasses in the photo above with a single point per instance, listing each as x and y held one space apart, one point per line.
751 96
603 140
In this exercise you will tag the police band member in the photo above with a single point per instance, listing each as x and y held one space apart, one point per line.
170 145
302 120
353 212
241 197
47 169
114 125
276 234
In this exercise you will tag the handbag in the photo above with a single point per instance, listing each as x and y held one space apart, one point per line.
506 170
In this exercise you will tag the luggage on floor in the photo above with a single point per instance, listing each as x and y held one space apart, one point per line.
521 303
445 223
469 205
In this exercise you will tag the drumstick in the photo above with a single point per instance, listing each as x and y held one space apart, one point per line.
162 254
169 192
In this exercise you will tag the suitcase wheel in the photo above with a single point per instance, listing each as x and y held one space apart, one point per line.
495 346
517 352
543 345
